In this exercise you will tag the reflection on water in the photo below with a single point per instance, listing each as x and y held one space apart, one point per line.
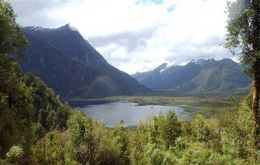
130 113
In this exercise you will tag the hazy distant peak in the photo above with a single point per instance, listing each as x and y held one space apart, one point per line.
197 76
227 60
68 27
35 28
202 62
161 68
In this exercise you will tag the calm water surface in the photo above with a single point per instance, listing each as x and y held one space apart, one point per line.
113 112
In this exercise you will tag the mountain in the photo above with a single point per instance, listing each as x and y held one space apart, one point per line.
196 76
68 64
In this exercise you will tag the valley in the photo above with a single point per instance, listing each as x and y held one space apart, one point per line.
81 75
73 68
68 95
133 109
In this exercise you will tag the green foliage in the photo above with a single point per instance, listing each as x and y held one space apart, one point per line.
28 108
83 147
51 148
242 31
169 129
90 143
155 155
15 96
49 111
246 130
11 38
162 129
24 101
243 39
14 154
199 129
225 139
122 139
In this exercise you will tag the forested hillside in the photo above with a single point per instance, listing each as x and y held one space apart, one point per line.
28 108
197 77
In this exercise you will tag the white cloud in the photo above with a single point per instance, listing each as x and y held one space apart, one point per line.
179 30
103 17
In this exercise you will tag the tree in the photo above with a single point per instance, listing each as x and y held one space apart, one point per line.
11 37
121 136
81 139
243 38
14 154
51 148
15 96
199 129
90 143
169 128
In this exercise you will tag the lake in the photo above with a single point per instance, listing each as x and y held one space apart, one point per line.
112 113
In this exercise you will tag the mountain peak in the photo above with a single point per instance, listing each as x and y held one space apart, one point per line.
202 62
227 60
161 68
35 28
72 67
67 27
197 76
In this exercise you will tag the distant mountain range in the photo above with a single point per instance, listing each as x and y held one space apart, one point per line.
196 77
68 64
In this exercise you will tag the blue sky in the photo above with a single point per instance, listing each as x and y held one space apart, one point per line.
137 35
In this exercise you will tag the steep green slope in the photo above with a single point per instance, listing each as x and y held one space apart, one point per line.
48 110
224 76
28 108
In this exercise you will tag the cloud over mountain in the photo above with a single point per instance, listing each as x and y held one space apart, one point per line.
137 35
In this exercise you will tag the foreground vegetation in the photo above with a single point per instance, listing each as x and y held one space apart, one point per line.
225 139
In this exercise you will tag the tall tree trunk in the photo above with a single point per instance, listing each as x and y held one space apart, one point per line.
255 103
256 68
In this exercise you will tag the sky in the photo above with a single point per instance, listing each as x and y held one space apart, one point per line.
137 35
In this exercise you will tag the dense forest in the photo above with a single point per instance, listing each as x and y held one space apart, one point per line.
36 127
